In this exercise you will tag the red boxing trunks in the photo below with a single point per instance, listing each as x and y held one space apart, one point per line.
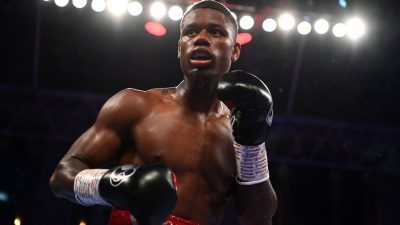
123 217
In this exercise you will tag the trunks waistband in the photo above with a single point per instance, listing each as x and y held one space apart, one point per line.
123 217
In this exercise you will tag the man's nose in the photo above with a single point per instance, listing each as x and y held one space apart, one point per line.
203 38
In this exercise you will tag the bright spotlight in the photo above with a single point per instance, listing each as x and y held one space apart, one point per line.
321 26
304 28
17 221
246 22
158 10
98 5
286 22
355 28
117 7
175 13
269 25
339 30
79 3
135 8
343 3
61 3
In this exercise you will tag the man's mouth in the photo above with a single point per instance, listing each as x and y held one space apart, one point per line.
201 58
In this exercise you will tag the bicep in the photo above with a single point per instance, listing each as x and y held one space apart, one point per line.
101 143
96 147
255 204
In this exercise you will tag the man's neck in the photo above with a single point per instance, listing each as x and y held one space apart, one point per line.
199 97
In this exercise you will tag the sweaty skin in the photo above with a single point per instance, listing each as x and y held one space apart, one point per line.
186 127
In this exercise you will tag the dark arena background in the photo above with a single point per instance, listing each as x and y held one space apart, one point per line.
334 148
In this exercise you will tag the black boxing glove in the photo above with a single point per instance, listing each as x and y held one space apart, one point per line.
251 117
252 106
147 192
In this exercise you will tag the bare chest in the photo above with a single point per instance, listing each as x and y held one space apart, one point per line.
184 141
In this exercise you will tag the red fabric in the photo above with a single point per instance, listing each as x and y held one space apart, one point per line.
120 217
174 220
123 217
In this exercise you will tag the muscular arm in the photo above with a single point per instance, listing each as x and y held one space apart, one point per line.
100 144
251 121
255 204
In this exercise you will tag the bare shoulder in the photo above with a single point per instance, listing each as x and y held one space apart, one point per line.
140 101
126 99
162 92
125 107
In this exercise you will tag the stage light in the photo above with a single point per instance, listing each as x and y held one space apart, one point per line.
304 28
4 197
175 13
269 25
135 8
61 3
117 7
246 22
98 5
82 222
286 22
244 38
339 30
343 3
355 28
155 28
158 10
17 221
321 26
79 3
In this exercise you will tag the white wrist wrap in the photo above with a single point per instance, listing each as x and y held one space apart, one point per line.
251 163
86 187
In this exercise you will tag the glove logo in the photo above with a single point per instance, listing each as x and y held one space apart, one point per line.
121 174
269 117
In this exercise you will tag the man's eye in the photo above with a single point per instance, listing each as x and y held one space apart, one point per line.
190 33
217 32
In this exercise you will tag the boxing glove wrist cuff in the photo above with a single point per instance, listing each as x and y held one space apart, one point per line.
86 187
251 164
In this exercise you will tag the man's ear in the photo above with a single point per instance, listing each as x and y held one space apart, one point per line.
179 49
236 52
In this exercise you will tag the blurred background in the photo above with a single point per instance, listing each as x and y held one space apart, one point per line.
332 68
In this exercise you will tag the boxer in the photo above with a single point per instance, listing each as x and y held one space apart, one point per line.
184 143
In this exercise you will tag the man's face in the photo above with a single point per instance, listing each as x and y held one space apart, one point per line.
206 43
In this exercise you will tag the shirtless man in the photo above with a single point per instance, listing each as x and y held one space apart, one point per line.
186 130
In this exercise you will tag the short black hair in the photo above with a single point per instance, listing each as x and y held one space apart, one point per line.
211 4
